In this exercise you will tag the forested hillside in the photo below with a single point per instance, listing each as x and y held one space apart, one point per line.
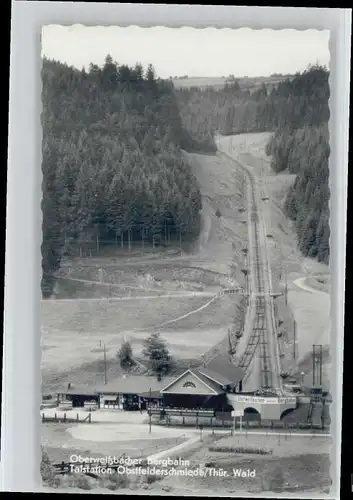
230 110
307 201
302 147
112 162
297 112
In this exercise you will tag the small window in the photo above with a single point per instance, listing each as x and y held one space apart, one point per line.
189 384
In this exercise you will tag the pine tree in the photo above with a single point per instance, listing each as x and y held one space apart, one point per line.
150 74
157 353
125 355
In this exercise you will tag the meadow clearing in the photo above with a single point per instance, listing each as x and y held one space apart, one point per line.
284 465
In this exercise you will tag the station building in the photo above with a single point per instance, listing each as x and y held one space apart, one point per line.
202 388
205 387
130 392
210 390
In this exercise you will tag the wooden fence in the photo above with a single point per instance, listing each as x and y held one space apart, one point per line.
65 419
228 423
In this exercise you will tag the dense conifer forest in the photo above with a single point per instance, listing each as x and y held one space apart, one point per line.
307 151
112 154
297 112
112 161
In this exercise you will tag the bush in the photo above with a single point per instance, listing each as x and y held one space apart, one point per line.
79 481
118 481
84 483
49 476
152 478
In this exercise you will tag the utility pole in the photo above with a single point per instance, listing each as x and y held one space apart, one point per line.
105 366
149 412
230 345
294 338
286 286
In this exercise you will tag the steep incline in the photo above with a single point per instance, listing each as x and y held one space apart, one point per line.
260 330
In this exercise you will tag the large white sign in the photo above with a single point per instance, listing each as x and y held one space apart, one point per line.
263 400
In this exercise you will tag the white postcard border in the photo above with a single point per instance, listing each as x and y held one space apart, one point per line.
20 436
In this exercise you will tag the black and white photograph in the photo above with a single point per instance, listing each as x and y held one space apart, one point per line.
185 311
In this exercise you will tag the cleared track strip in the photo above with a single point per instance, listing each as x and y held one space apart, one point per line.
260 330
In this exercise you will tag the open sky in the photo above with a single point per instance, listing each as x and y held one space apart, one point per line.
188 51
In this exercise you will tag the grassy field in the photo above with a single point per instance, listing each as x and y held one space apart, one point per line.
77 288
218 82
71 330
282 463
290 464
158 277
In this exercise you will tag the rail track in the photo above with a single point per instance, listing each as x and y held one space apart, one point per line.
262 327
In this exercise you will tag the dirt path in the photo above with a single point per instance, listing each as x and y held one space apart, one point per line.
161 295
302 283
179 318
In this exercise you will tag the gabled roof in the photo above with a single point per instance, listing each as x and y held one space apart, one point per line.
215 377
211 386
221 370
210 383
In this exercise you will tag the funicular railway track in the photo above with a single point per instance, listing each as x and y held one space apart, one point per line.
261 329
